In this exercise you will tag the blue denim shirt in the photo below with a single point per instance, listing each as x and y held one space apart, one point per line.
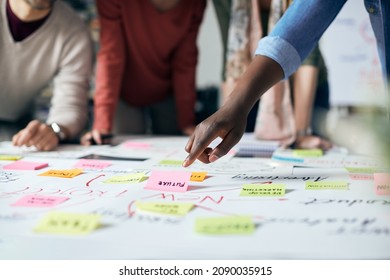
304 22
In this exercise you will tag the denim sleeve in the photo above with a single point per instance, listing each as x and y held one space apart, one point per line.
298 32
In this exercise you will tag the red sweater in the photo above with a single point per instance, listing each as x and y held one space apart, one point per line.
146 55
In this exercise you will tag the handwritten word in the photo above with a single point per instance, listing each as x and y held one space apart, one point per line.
348 202
225 225
272 178
326 186
65 173
263 190
39 201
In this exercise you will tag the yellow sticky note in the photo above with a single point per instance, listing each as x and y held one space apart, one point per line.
225 225
263 190
308 153
365 170
171 162
324 185
64 173
177 209
125 179
68 223
10 157
198 176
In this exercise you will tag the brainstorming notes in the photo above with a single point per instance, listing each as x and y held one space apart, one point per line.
326 185
172 181
65 173
68 223
25 165
263 190
225 225
39 201
169 208
382 183
92 164
125 179
198 176
308 153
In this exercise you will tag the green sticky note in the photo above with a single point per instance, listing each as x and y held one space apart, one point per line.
324 185
366 170
68 223
308 153
10 157
263 190
125 179
171 162
169 208
225 225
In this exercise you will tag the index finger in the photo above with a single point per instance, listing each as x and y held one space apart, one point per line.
26 134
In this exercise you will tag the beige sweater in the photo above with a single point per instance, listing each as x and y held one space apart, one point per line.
59 51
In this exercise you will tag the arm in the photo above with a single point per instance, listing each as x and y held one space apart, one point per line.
184 69
278 56
110 67
70 94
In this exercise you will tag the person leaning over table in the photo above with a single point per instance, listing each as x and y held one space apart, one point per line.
277 57
146 66
43 41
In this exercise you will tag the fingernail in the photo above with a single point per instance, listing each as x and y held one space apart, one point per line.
213 158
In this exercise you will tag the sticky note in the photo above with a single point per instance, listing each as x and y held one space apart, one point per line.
171 162
92 164
263 190
324 185
68 223
39 201
125 179
225 225
172 181
62 173
308 153
382 183
138 145
169 208
367 170
361 176
10 157
25 165
198 176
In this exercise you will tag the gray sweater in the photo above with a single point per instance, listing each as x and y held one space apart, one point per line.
59 51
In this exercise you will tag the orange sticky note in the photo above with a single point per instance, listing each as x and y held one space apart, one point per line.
64 173
198 176
382 183
172 181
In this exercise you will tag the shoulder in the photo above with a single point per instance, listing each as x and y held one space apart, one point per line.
66 21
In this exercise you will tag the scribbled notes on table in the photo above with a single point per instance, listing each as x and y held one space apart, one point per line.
39 201
68 223
326 185
63 173
92 164
168 208
25 165
225 225
263 190
382 183
125 179
198 176
172 181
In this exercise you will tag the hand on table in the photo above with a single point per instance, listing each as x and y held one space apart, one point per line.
227 123
96 137
36 134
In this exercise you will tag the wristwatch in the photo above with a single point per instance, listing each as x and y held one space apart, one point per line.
58 131
304 132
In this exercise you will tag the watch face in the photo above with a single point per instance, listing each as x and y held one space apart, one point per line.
57 130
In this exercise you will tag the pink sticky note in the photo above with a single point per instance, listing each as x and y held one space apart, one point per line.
131 144
25 165
382 183
92 164
172 181
39 201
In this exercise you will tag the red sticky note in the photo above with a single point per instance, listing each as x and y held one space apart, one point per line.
132 144
382 183
39 201
25 165
171 181
92 164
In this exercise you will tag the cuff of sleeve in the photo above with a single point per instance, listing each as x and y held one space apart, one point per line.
280 51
